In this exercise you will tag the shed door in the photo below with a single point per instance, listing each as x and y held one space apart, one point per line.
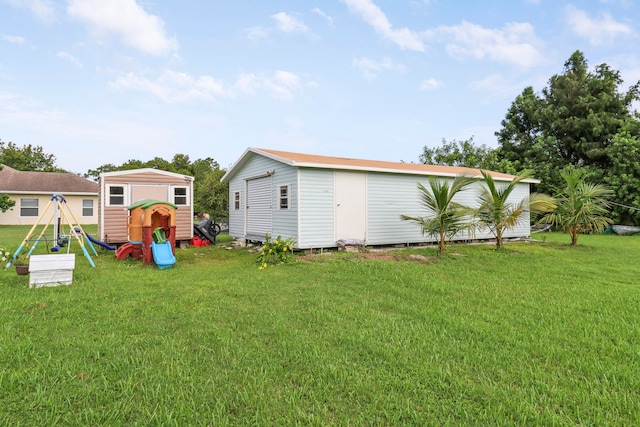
351 205
258 208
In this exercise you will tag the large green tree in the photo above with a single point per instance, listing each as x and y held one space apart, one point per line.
27 158
445 217
572 121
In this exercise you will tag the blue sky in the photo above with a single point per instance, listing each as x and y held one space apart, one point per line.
96 82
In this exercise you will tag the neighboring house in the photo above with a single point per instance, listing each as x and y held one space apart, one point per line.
32 192
121 189
318 200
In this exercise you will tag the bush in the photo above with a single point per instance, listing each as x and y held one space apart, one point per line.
276 251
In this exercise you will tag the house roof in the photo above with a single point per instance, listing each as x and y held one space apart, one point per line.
13 181
344 163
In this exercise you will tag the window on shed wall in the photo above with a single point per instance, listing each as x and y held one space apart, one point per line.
28 207
236 200
87 207
283 197
181 196
116 195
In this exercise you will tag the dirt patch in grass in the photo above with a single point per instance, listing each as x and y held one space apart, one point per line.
372 255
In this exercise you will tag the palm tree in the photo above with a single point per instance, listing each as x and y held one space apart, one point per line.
447 217
498 214
582 206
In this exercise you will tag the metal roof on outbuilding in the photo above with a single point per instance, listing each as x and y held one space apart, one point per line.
344 163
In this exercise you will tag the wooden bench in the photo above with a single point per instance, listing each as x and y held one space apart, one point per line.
51 270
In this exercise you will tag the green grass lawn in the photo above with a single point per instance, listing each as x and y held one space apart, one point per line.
538 334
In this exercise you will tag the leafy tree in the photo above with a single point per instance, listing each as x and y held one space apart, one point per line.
464 153
624 174
6 203
581 206
27 158
498 214
446 216
571 122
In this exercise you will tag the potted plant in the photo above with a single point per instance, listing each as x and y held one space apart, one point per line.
22 264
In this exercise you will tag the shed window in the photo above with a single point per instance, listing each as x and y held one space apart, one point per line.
116 195
180 196
283 197
28 207
87 207
236 200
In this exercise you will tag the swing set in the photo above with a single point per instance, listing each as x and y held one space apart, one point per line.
59 239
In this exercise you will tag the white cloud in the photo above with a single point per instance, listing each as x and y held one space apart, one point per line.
68 57
371 68
318 11
13 39
599 31
404 38
515 44
258 32
430 84
289 24
125 19
176 87
43 9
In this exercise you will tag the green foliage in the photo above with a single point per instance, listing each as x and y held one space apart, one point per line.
27 158
624 175
464 153
575 120
497 214
6 203
275 251
581 206
446 218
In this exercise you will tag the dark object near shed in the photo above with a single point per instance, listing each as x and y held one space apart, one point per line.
207 229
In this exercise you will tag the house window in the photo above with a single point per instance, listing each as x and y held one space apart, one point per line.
87 207
116 195
28 207
236 200
283 193
180 196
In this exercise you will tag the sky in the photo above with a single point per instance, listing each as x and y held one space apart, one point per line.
97 82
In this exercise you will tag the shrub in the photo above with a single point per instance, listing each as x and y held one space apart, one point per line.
276 251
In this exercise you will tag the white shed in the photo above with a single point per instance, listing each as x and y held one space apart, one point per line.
319 200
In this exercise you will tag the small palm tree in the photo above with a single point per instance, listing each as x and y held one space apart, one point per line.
498 214
447 217
582 206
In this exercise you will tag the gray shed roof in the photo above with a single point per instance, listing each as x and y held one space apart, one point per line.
15 181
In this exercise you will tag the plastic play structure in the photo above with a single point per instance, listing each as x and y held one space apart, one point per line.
152 233
59 239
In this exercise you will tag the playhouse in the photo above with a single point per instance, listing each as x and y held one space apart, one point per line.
151 231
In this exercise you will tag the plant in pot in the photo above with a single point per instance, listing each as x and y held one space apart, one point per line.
22 264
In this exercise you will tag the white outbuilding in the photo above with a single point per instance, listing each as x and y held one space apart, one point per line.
320 200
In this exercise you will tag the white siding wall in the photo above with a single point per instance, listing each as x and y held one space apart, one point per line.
391 195
316 209
284 222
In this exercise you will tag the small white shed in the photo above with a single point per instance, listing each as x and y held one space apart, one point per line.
319 200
